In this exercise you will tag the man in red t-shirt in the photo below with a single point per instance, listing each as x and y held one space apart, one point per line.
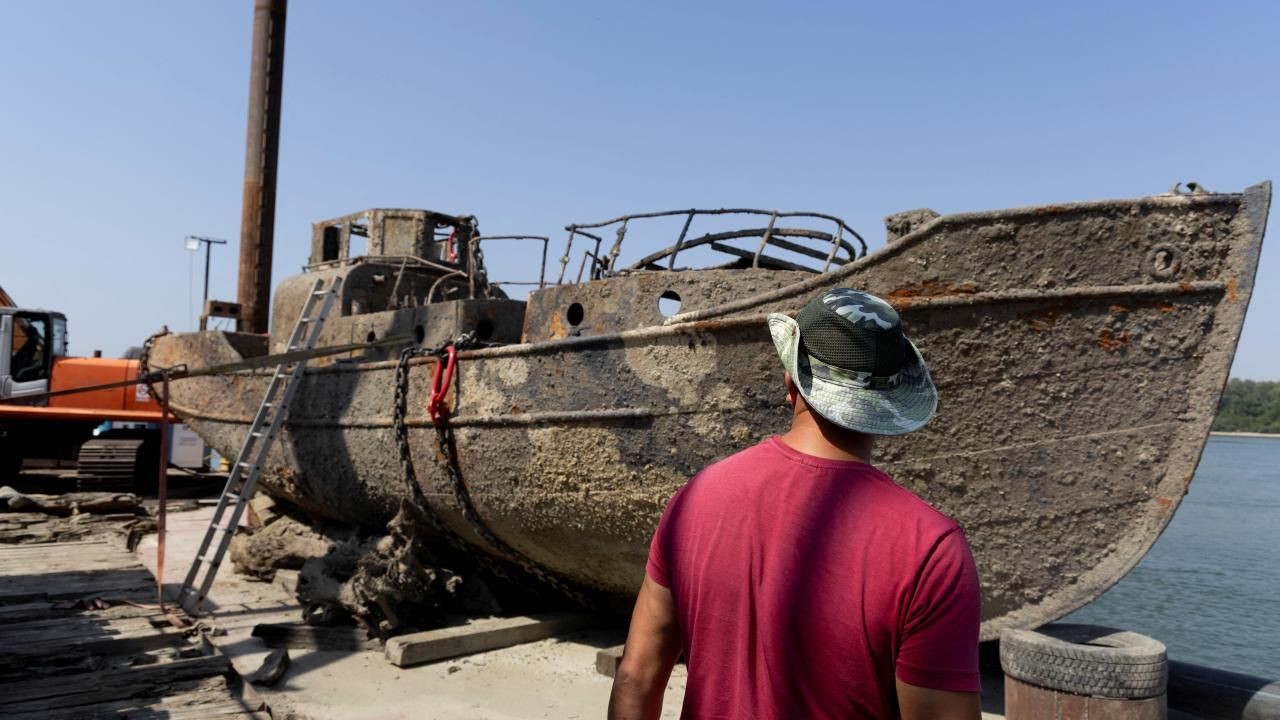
797 579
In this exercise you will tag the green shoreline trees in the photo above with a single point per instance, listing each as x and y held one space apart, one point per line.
1249 406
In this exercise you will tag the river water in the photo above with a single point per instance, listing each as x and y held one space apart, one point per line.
1210 587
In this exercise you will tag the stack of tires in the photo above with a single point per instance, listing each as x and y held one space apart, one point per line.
1075 672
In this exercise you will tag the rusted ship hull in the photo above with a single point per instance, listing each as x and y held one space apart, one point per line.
1079 351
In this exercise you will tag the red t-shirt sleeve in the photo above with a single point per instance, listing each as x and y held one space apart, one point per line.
939 640
656 567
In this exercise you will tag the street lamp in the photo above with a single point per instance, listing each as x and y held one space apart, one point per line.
193 244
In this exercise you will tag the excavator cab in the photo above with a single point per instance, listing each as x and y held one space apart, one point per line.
29 342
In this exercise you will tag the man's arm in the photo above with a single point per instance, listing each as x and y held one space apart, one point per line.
653 645
917 703
937 667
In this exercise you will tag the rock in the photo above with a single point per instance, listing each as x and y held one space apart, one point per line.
286 540
263 510
287 580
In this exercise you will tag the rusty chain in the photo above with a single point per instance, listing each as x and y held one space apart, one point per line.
144 358
461 494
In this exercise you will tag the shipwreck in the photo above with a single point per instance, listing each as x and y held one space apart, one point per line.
1079 351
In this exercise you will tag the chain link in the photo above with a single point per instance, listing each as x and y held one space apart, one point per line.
144 360
461 494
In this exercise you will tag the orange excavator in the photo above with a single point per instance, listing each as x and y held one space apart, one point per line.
34 362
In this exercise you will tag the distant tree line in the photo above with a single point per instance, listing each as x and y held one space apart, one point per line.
1249 406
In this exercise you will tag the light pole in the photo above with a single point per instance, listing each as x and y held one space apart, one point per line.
193 244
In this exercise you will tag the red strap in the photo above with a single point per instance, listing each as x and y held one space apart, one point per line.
441 379
162 490
453 247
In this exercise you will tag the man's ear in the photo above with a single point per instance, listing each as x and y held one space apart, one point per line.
792 392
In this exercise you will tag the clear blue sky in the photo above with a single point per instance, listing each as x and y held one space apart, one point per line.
123 124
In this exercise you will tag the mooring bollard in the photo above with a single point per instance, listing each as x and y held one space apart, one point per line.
1076 672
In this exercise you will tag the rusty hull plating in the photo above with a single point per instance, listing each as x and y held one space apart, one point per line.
1080 351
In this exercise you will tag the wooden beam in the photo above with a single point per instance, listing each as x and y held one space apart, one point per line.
480 636
309 637
608 659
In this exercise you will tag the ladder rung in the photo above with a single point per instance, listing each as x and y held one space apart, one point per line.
239 486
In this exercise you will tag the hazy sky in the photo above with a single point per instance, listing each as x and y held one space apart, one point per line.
123 124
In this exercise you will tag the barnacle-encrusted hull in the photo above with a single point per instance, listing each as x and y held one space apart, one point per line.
1079 351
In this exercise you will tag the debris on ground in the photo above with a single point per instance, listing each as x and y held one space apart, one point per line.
32 518
81 637
273 668
280 536
383 582
386 583
67 504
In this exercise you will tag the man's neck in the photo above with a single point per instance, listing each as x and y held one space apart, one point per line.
820 439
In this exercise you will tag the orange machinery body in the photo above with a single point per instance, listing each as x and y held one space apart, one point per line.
131 403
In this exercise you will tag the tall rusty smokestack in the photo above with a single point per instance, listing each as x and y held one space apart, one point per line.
258 214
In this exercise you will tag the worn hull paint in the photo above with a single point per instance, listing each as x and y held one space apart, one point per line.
1079 351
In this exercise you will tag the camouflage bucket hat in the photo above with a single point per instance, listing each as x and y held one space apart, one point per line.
853 365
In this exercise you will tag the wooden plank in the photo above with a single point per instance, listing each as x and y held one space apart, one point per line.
45 610
28 588
186 700
68 551
299 636
608 659
109 685
61 659
46 546
480 636
124 637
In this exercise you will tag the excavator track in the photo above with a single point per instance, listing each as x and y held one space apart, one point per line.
118 460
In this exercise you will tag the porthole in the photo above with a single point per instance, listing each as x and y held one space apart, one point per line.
669 303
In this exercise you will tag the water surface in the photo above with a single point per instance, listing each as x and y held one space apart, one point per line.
1210 587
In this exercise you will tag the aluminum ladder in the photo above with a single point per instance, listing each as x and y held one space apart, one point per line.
243 479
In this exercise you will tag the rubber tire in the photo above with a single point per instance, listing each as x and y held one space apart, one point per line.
1086 660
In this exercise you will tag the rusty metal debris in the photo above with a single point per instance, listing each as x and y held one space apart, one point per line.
1064 454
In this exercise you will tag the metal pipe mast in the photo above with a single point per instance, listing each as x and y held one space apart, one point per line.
257 221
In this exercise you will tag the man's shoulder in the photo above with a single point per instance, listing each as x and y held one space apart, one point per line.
746 462
916 508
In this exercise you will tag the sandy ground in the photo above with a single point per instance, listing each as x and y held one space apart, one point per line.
553 678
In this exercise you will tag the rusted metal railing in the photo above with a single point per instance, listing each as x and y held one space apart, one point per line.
841 250
542 268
